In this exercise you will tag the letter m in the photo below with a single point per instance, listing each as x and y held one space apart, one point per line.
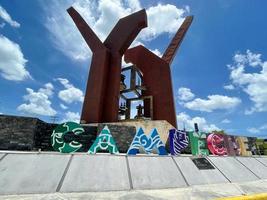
148 143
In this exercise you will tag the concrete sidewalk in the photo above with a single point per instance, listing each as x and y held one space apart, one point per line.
200 192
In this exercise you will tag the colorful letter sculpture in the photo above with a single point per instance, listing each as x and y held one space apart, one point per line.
57 137
252 147
68 138
244 149
104 141
198 143
178 141
147 142
216 144
231 145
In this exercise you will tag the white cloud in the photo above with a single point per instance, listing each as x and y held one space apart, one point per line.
254 84
102 16
163 18
7 18
260 130
185 120
226 121
134 4
157 52
12 61
70 94
214 102
229 87
253 130
185 94
63 106
47 90
249 58
38 103
71 117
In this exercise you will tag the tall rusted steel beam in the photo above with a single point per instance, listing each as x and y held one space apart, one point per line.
92 109
118 41
101 102
88 34
170 52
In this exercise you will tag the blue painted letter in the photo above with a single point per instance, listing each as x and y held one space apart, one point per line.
147 142
178 141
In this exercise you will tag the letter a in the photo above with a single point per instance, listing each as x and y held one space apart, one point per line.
104 141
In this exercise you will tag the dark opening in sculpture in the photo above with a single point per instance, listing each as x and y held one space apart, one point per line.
105 84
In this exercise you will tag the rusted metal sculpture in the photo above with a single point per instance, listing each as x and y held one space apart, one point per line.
157 75
101 102
104 86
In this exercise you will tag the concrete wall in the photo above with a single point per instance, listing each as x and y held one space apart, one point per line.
150 172
255 166
232 169
194 176
48 172
96 173
31 173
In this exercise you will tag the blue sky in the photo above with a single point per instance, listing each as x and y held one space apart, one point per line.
219 73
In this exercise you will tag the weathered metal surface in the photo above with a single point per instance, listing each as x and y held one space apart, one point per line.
101 102
170 52
157 79
157 76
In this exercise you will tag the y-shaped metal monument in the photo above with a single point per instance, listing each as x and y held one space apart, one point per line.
101 102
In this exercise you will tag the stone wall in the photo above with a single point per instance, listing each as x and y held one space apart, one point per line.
17 133
42 135
27 133
32 134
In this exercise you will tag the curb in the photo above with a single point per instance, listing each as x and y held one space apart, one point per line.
261 196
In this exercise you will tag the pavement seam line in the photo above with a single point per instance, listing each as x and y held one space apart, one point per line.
64 174
129 173
248 168
3 156
187 184
219 170
261 162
